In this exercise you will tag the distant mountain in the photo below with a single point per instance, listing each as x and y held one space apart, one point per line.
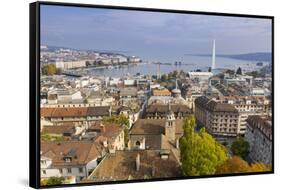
258 56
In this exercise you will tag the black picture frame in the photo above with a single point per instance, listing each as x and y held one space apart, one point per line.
34 90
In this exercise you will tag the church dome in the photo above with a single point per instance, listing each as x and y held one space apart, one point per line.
176 91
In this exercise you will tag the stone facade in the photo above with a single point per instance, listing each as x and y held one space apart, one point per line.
226 116
259 136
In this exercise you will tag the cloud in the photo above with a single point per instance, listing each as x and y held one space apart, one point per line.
149 31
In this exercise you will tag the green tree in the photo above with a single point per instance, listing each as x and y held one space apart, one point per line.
231 72
88 63
58 71
49 69
240 147
254 74
164 78
200 153
239 71
55 181
121 120
85 101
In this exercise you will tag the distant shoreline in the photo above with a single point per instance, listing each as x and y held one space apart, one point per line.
259 56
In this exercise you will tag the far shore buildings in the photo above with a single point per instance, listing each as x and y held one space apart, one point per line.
259 136
226 115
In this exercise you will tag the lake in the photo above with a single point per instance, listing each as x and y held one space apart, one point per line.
189 63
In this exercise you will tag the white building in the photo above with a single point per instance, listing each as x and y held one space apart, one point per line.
200 75
67 159
65 96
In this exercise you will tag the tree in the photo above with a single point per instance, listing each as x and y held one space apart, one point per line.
233 165
260 167
240 147
164 77
239 71
236 164
52 181
49 69
55 180
200 153
85 101
254 74
120 120
88 63
231 72
58 71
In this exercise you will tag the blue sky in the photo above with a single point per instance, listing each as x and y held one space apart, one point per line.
150 33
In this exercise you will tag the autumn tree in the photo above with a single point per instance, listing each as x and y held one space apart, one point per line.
200 153
240 147
233 165
49 69
260 167
236 164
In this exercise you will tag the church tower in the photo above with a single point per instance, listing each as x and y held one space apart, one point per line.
170 125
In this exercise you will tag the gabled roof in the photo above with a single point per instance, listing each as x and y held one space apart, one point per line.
153 108
85 151
122 166
153 127
214 106
58 129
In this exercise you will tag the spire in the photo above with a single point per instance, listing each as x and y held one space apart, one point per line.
214 55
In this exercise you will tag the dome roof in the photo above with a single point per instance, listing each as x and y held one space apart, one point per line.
176 91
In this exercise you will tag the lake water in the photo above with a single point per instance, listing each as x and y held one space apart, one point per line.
189 63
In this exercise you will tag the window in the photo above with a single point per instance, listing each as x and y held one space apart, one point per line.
43 161
44 171
67 159
69 170
138 143
80 170
60 171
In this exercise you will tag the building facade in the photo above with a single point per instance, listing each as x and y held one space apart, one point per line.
259 136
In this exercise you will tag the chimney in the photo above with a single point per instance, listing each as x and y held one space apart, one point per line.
177 143
110 110
138 162
102 128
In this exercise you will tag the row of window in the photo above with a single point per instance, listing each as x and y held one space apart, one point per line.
225 120
225 125
224 129
235 116
69 170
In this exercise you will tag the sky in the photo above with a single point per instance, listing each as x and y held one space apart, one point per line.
152 34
